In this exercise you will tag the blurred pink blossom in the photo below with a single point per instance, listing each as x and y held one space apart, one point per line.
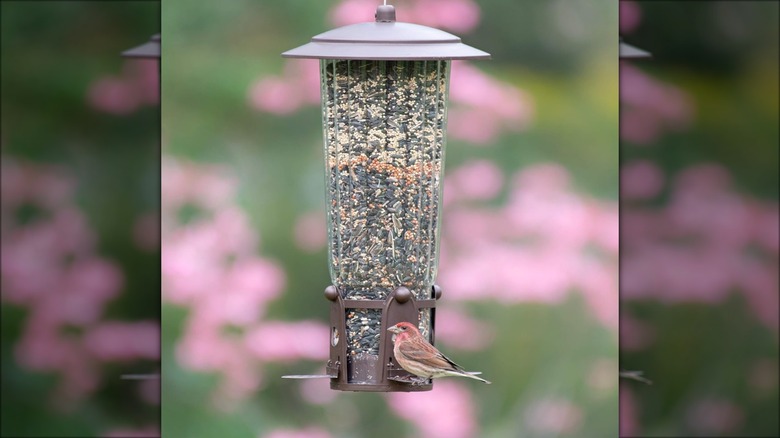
121 95
447 411
144 75
111 341
479 179
458 330
483 105
211 267
285 342
309 432
553 416
298 85
714 416
641 179
766 230
699 246
317 391
113 95
454 15
210 187
629 412
536 248
51 267
310 231
630 16
205 350
759 282
44 185
650 107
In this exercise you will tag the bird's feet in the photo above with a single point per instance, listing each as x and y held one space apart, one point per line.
418 381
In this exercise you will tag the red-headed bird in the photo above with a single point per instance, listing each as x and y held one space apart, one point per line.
417 356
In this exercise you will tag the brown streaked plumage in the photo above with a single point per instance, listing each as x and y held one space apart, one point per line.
417 356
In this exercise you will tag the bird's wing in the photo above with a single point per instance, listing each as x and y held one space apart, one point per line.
424 352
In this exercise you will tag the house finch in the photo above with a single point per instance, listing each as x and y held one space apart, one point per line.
419 357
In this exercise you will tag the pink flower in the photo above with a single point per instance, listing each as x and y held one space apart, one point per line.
454 15
120 95
210 187
298 86
275 95
483 105
123 341
650 107
629 412
460 331
553 416
447 411
317 391
47 186
309 432
144 77
767 227
310 232
472 125
759 282
630 16
641 179
479 179
285 342
113 95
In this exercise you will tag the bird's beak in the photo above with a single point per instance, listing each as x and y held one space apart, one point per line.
393 329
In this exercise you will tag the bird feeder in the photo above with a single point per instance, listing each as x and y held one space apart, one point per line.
150 49
384 114
627 51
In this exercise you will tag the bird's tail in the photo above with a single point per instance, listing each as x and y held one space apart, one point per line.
473 376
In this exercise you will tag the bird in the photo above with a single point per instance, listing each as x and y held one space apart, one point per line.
417 356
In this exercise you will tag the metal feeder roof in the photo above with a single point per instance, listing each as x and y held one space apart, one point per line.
627 51
150 49
386 39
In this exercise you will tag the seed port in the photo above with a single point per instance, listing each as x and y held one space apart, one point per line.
373 372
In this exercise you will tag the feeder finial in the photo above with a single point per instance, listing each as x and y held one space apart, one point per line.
385 14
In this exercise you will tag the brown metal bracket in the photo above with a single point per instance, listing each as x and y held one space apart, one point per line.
375 373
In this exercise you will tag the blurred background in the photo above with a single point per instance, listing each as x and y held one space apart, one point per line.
80 220
699 219
529 247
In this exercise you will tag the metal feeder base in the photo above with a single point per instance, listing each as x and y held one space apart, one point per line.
371 373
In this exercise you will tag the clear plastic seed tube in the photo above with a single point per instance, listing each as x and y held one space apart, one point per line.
384 129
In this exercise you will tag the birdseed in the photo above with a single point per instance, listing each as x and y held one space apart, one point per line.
383 124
